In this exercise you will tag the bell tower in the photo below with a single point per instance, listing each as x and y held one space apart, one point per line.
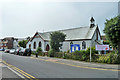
92 24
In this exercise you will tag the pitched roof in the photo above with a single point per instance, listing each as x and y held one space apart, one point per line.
73 34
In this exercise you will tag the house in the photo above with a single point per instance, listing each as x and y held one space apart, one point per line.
83 36
8 43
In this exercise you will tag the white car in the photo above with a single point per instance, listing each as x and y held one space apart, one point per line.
12 51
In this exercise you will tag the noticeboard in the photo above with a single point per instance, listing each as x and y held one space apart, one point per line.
102 47
75 47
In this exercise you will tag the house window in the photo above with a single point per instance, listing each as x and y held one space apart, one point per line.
96 35
71 42
47 47
83 45
29 45
40 44
34 45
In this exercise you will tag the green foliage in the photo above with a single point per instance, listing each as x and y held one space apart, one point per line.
92 50
23 43
55 39
77 55
51 53
33 52
110 58
67 56
112 30
106 42
59 54
39 49
68 51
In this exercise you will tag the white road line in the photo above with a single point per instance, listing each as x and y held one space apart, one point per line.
16 73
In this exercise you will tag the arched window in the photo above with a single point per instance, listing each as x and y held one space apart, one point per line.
83 45
29 45
47 47
40 44
71 42
34 45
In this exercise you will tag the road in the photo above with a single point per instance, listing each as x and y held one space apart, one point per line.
45 69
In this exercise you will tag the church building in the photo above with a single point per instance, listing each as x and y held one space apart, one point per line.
83 36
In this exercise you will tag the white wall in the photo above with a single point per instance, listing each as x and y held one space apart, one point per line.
37 40
27 45
66 44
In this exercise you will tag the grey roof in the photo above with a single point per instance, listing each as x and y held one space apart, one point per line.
73 34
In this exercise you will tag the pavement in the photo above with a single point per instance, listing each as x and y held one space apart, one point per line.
7 73
81 63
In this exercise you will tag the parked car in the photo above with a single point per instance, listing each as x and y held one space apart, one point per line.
7 51
12 51
18 51
2 49
22 51
27 52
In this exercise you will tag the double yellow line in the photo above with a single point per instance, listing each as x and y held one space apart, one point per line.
77 65
26 75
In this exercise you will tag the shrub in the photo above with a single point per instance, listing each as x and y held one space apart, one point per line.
51 53
80 55
76 55
68 51
67 56
39 51
93 53
33 52
59 54
110 58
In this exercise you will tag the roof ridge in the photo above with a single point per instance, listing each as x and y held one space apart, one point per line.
65 29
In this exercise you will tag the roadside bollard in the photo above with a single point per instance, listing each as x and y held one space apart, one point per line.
36 54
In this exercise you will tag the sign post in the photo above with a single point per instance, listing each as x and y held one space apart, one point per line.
90 53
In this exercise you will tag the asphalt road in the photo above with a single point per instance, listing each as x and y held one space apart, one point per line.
45 69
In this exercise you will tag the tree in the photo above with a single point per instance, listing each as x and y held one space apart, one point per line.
23 43
112 31
55 39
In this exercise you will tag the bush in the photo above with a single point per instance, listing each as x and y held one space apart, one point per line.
80 55
59 54
68 51
110 58
93 53
33 52
39 51
67 56
51 53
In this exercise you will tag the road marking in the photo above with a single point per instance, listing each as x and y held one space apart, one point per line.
16 72
19 71
77 65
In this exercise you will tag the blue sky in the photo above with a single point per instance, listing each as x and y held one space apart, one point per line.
22 19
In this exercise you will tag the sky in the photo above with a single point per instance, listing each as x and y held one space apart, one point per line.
24 18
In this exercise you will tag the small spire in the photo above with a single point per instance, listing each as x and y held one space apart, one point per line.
92 19
92 24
